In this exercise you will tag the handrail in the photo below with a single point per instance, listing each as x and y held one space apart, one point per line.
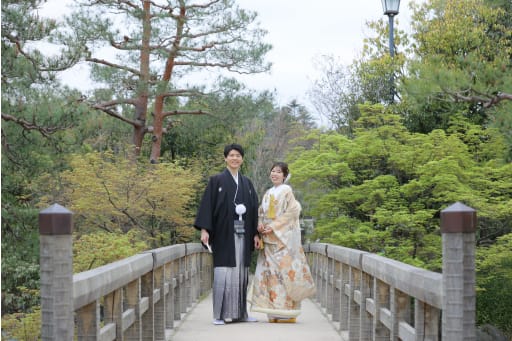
141 295
136 298
370 297
366 296
92 285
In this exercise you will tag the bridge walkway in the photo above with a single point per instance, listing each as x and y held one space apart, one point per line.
311 325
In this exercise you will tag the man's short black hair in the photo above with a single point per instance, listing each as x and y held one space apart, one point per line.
234 146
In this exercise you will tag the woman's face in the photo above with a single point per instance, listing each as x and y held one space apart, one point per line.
276 176
234 160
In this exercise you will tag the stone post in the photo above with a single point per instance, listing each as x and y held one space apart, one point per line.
56 273
458 226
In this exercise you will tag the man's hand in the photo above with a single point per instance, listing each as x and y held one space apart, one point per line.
205 236
257 242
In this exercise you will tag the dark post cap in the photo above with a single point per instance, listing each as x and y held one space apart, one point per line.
458 218
55 220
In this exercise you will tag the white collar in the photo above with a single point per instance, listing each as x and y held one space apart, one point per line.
277 189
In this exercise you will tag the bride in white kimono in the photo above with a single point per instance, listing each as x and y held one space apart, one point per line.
282 277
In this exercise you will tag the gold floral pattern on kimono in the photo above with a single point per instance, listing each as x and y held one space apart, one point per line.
282 278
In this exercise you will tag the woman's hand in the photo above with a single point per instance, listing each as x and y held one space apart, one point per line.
266 229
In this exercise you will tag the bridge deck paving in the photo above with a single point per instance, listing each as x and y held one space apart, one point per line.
311 325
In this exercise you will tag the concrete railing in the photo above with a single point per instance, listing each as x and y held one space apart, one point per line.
369 297
137 298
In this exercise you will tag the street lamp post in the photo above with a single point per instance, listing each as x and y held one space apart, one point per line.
390 8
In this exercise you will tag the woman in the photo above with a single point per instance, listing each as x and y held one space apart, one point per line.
282 278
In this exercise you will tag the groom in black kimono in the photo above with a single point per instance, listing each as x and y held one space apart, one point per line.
228 218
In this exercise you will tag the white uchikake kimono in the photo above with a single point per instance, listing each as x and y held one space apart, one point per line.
282 277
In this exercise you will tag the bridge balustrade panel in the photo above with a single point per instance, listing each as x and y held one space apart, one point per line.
141 297
369 297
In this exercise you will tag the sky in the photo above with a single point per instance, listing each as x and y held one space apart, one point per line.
301 32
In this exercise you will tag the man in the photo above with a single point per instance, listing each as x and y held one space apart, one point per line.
228 218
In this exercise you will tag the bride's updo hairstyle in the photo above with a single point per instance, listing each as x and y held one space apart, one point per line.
284 168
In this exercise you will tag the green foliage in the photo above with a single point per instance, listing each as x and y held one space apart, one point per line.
202 136
112 193
494 284
22 326
109 247
20 263
21 65
461 65
24 276
382 190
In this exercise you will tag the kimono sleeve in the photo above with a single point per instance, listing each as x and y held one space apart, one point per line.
204 217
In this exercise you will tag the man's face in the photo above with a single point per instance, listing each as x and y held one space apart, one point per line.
234 159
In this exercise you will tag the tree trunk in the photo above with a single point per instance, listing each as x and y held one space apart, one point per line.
141 109
156 137
158 120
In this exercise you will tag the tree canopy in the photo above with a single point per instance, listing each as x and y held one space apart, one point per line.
154 45
461 63
112 193
382 191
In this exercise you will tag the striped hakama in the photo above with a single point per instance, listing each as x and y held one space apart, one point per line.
230 287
